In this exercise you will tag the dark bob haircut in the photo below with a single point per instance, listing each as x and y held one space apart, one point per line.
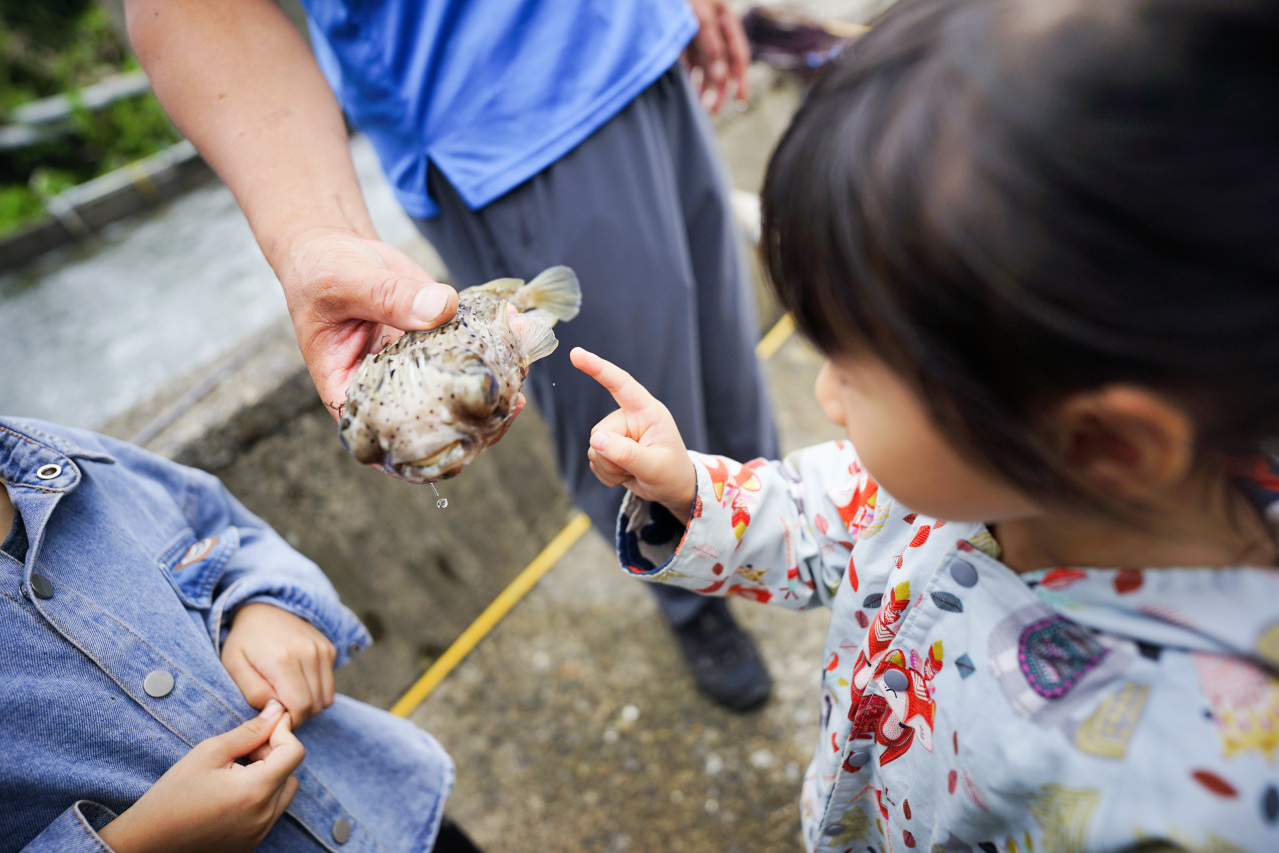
1009 201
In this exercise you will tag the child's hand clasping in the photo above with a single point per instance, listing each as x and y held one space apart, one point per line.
209 803
272 654
638 446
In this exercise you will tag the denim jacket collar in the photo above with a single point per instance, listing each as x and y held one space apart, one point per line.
26 449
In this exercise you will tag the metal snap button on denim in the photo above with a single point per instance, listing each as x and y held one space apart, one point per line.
48 472
41 586
341 830
158 684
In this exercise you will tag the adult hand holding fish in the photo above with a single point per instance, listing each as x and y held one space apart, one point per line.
424 406
348 296
639 445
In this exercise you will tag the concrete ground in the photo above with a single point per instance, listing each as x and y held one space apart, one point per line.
575 726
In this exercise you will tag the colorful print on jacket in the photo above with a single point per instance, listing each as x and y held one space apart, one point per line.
965 707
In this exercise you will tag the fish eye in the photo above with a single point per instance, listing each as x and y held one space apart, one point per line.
477 391
487 381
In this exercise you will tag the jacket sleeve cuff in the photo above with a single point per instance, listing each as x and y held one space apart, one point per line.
74 831
331 618
653 544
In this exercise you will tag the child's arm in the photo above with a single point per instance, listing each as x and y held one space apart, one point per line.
206 803
266 569
768 531
246 563
275 618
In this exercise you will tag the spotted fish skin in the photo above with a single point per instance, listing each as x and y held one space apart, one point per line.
428 403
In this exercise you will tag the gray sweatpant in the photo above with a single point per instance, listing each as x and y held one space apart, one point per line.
640 210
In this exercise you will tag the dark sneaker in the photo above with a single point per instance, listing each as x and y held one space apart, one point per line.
723 658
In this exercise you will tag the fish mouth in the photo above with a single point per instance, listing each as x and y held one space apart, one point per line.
442 464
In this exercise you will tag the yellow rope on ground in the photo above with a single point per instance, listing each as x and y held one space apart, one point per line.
492 614
533 572
772 342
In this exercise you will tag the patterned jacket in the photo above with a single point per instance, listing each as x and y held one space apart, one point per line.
965 707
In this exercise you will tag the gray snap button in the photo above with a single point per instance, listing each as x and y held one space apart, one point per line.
835 829
963 573
41 586
857 759
48 472
895 680
341 830
158 684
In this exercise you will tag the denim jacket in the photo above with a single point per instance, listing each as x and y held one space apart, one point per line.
134 566
968 708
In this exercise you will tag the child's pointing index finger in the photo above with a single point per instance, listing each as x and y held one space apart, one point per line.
628 393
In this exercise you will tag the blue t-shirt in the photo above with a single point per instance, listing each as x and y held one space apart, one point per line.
491 91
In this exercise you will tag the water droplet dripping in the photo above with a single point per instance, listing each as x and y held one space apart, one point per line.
442 502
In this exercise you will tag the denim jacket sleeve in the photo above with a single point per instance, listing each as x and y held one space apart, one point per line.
260 566
266 569
74 831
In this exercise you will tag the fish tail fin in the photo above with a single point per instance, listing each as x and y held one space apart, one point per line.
535 332
555 291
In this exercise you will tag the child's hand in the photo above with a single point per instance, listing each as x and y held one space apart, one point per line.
207 803
638 446
272 654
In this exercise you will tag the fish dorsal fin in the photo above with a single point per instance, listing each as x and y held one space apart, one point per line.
535 333
555 291
500 286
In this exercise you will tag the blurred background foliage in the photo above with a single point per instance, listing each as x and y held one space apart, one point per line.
51 47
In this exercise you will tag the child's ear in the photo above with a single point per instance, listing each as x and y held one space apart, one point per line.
1126 441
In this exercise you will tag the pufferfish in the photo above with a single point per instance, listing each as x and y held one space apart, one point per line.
427 404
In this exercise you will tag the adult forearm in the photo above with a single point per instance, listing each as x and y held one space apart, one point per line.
241 84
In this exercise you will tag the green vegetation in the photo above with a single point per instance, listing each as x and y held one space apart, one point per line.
55 46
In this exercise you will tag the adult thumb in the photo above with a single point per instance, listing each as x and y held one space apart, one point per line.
402 302
248 736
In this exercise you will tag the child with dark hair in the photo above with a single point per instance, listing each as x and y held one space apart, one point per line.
1039 245
166 665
